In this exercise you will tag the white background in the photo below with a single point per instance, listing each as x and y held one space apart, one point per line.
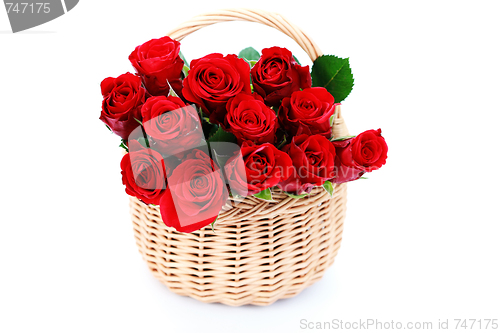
421 239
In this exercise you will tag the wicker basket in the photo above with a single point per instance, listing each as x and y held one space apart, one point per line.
261 251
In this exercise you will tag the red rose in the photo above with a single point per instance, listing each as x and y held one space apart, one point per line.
313 159
277 75
195 194
213 80
158 63
143 173
171 125
364 153
248 118
123 97
257 168
308 112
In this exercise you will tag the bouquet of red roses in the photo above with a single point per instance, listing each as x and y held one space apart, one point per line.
230 126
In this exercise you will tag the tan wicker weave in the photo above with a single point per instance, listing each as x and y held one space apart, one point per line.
261 251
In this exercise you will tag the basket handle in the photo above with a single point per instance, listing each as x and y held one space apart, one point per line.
273 20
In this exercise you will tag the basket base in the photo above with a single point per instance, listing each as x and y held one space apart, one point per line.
273 252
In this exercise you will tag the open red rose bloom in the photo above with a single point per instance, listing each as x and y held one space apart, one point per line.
223 126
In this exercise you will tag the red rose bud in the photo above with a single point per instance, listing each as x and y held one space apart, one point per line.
355 156
158 63
257 168
313 158
343 172
248 118
171 125
123 97
213 80
308 112
195 195
277 75
369 150
143 173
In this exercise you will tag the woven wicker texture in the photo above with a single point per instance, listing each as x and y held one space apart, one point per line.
261 251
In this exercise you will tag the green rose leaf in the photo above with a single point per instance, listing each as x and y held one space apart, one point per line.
296 196
213 224
297 60
184 59
328 186
332 120
264 195
342 138
334 74
220 159
208 128
249 54
221 136
143 141
185 71
123 145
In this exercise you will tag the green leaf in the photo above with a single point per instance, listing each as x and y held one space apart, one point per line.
264 195
363 177
185 71
236 196
222 136
297 60
220 159
184 59
213 130
185 68
213 224
251 63
171 91
249 54
208 128
332 120
109 128
334 74
143 141
328 186
341 138
283 142
123 145
296 196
